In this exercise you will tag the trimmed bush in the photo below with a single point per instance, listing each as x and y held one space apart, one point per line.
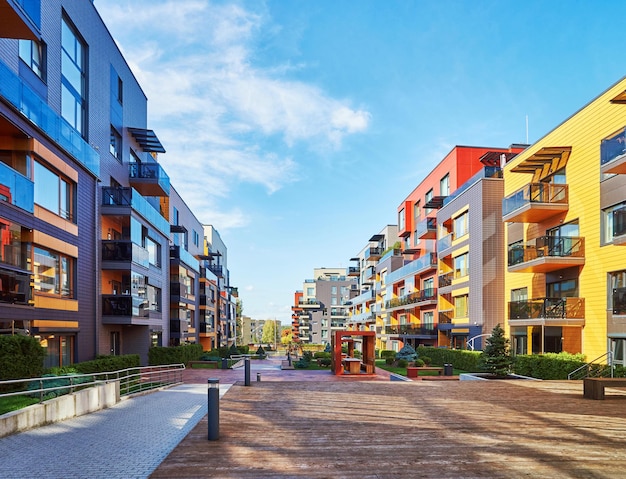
389 361
402 363
460 359
547 366
322 355
325 362
419 363
174 355
387 353
20 357
107 364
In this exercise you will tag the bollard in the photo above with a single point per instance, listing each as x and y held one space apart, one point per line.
214 409
258 377
247 371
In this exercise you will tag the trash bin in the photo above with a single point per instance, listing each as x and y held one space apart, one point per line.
447 369
224 363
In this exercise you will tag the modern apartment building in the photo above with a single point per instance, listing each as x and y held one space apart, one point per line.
412 302
87 211
564 210
322 305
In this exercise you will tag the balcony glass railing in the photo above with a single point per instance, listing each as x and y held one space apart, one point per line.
178 252
15 287
446 279
32 9
619 222
151 171
373 251
33 107
547 193
486 172
411 329
21 191
423 263
619 301
613 147
309 302
425 226
445 242
445 317
548 308
120 250
122 196
353 270
363 297
412 298
546 246
124 305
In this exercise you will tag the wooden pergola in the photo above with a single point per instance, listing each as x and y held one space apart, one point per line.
342 363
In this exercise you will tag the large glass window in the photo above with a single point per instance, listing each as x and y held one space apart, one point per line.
73 62
461 265
54 192
444 185
461 225
53 272
154 298
154 251
614 222
427 198
115 146
401 220
460 306
563 289
34 54
428 319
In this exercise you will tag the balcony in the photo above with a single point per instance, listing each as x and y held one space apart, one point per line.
446 279
411 330
216 269
420 265
444 242
309 304
118 254
120 309
206 328
548 312
362 318
427 229
149 179
16 189
15 287
373 253
613 154
116 200
619 301
364 297
546 253
445 317
370 273
180 253
20 19
418 298
535 202
354 271
619 226
33 107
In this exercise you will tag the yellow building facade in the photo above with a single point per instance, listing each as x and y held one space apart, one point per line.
563 210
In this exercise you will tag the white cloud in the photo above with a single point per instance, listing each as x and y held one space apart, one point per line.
218 114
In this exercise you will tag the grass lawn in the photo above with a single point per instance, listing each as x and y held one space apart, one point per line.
13 403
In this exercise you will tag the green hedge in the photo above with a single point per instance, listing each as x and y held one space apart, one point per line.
107 364
174 354
387 353
460 359
547 366
20 357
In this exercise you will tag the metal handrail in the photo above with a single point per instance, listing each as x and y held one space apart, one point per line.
589 366
132 380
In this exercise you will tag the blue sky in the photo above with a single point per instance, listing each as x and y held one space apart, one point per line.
296 128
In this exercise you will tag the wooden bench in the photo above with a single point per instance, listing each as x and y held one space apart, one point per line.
593 388
413 372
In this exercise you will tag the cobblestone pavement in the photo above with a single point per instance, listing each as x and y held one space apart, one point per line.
130 439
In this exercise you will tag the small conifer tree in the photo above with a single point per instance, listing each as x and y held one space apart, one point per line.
496 358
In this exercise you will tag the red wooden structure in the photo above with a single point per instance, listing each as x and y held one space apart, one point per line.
342 363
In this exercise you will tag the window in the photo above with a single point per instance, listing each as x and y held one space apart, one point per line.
461 266
401 220
34 55
54 192
333 290
614 222
429 285
563 289
520 294
116 144
120 91
154 251
428 319
154 298
444 185
416 212
461 225
333 301
196 238
53 272
427 198
616 300
73 63
310 292
460 306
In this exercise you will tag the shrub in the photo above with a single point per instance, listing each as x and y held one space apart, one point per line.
402 363
174 354
307 356
301 363
389 361
419 363
547 366
407 352
260 351
463 360
325 362
20 357
322 355
496 358
387 353
426 360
